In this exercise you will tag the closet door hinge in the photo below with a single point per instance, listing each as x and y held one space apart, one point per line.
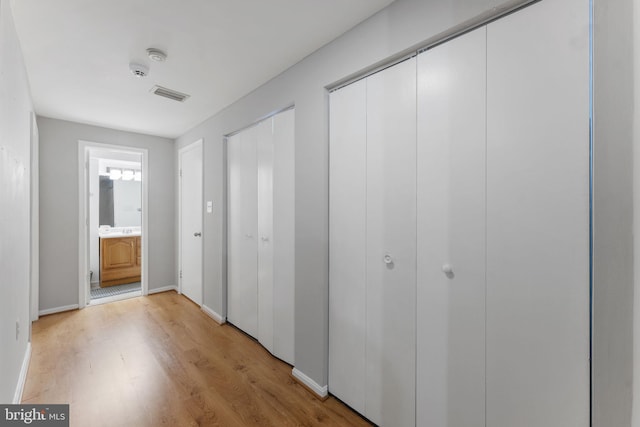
181 274
180 173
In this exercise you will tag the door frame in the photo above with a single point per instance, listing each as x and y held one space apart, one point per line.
83 213
198 143
34 273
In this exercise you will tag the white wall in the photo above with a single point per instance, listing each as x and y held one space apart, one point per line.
396 29
15 159
59 206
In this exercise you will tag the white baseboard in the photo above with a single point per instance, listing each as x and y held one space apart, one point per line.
163 289
58 309
321 392
215 316
17 397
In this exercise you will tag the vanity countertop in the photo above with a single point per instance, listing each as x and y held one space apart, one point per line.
119 232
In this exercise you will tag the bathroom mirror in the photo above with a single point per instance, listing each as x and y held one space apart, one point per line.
120 202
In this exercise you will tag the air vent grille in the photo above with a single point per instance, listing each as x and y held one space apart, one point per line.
168 93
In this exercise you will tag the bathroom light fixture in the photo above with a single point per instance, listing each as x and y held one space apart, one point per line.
127 174
156 54
124 174
115 173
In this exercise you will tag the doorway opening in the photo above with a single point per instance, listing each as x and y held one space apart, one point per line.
113 234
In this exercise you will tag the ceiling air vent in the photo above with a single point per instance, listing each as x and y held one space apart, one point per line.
168 93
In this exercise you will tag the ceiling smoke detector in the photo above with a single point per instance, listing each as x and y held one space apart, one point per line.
139 70
156 54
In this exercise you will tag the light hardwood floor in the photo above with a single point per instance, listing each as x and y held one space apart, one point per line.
160 361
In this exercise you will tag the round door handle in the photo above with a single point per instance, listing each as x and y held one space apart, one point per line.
447 269
388 259
197 234
265 239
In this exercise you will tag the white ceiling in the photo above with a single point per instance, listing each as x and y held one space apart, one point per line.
77 54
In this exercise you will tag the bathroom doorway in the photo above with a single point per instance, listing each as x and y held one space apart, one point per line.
113 200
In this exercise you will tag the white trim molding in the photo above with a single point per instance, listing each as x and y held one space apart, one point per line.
84 148
35 220
17 397
320 391
215 316
163 289
58 309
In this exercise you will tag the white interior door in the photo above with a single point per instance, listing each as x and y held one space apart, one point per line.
242 220
391 246
347 244
191 221
264 143
451 233
284 235
538 216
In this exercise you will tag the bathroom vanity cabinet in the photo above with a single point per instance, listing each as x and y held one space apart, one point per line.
120 259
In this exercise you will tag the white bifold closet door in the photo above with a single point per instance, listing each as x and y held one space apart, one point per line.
459 229
264 147
451 233
284 235
373 245
538 216
347 242
260 288
242 226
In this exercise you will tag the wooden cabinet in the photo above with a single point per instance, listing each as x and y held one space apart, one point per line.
120 260
138 252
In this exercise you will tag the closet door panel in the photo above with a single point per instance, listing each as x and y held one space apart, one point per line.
347 244
264 143
242 292
451 232
391 245
538 217
284 235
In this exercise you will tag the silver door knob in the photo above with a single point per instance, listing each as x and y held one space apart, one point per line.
197 234
387 259
265 238
447 269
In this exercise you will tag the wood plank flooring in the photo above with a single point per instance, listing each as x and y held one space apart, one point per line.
160 361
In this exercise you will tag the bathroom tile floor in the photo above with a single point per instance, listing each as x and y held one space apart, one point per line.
110 291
